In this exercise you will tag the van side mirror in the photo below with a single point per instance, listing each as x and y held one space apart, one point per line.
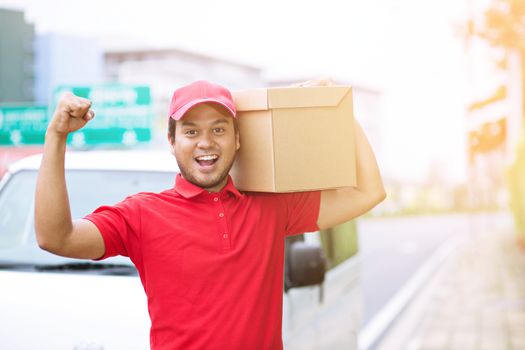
305 265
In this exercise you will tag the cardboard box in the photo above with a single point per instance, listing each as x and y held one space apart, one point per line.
295 139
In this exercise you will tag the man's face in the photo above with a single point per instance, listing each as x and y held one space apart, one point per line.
205 145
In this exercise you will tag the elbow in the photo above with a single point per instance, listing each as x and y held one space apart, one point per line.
378 196
41 240
51 247
381 196
47 244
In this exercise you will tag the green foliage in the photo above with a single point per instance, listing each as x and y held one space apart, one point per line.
340 243
516 184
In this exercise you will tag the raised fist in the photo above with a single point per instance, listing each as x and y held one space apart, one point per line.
71 114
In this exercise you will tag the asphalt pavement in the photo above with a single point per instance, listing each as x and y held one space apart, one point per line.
474 300
393 250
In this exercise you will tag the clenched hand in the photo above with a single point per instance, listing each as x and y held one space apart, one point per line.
71 114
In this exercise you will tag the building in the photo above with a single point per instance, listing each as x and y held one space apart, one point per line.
16 57
65 60
165 69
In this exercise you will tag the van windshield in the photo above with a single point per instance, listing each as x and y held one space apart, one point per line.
87 189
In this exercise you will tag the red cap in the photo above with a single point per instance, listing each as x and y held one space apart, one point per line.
199 92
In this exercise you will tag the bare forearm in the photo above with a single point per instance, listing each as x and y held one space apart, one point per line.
52 213
340 205
367 173
55 230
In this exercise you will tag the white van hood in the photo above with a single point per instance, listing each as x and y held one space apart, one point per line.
72 311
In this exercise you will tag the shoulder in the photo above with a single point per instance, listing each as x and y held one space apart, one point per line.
265 196
280 195
149 197
283 198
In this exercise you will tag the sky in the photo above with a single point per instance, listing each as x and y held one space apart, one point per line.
412 51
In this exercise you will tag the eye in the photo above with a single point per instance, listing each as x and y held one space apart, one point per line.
218 130
190 132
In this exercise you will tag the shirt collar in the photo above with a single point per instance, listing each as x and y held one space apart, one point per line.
189 190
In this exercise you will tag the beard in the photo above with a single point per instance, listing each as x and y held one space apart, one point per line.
210 181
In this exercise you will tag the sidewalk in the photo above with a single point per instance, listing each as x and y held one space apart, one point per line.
476 300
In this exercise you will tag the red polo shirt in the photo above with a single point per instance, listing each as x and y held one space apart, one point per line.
211 263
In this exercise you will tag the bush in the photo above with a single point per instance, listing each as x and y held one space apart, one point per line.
516 185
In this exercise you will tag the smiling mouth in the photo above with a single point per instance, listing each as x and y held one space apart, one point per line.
207 160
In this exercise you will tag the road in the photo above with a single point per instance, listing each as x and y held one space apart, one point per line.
392 250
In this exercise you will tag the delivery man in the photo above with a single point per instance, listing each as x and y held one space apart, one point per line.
210 257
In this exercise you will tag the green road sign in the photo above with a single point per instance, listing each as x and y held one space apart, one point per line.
23 125
123 114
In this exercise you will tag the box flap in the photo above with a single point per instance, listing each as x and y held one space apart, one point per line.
289 97
314 147
315 96
250 100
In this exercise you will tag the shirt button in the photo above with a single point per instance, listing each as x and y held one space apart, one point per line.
215 199
221 215
225 235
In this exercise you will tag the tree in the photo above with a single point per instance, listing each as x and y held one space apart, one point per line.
504 27
505 24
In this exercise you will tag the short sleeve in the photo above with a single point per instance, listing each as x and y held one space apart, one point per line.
119 225
302 211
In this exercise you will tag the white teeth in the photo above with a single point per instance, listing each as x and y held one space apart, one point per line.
208 157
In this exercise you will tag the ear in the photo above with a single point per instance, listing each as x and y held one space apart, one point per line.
237 140
172 144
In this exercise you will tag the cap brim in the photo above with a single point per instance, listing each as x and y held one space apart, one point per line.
181 111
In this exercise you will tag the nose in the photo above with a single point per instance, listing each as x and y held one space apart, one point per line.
205 141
